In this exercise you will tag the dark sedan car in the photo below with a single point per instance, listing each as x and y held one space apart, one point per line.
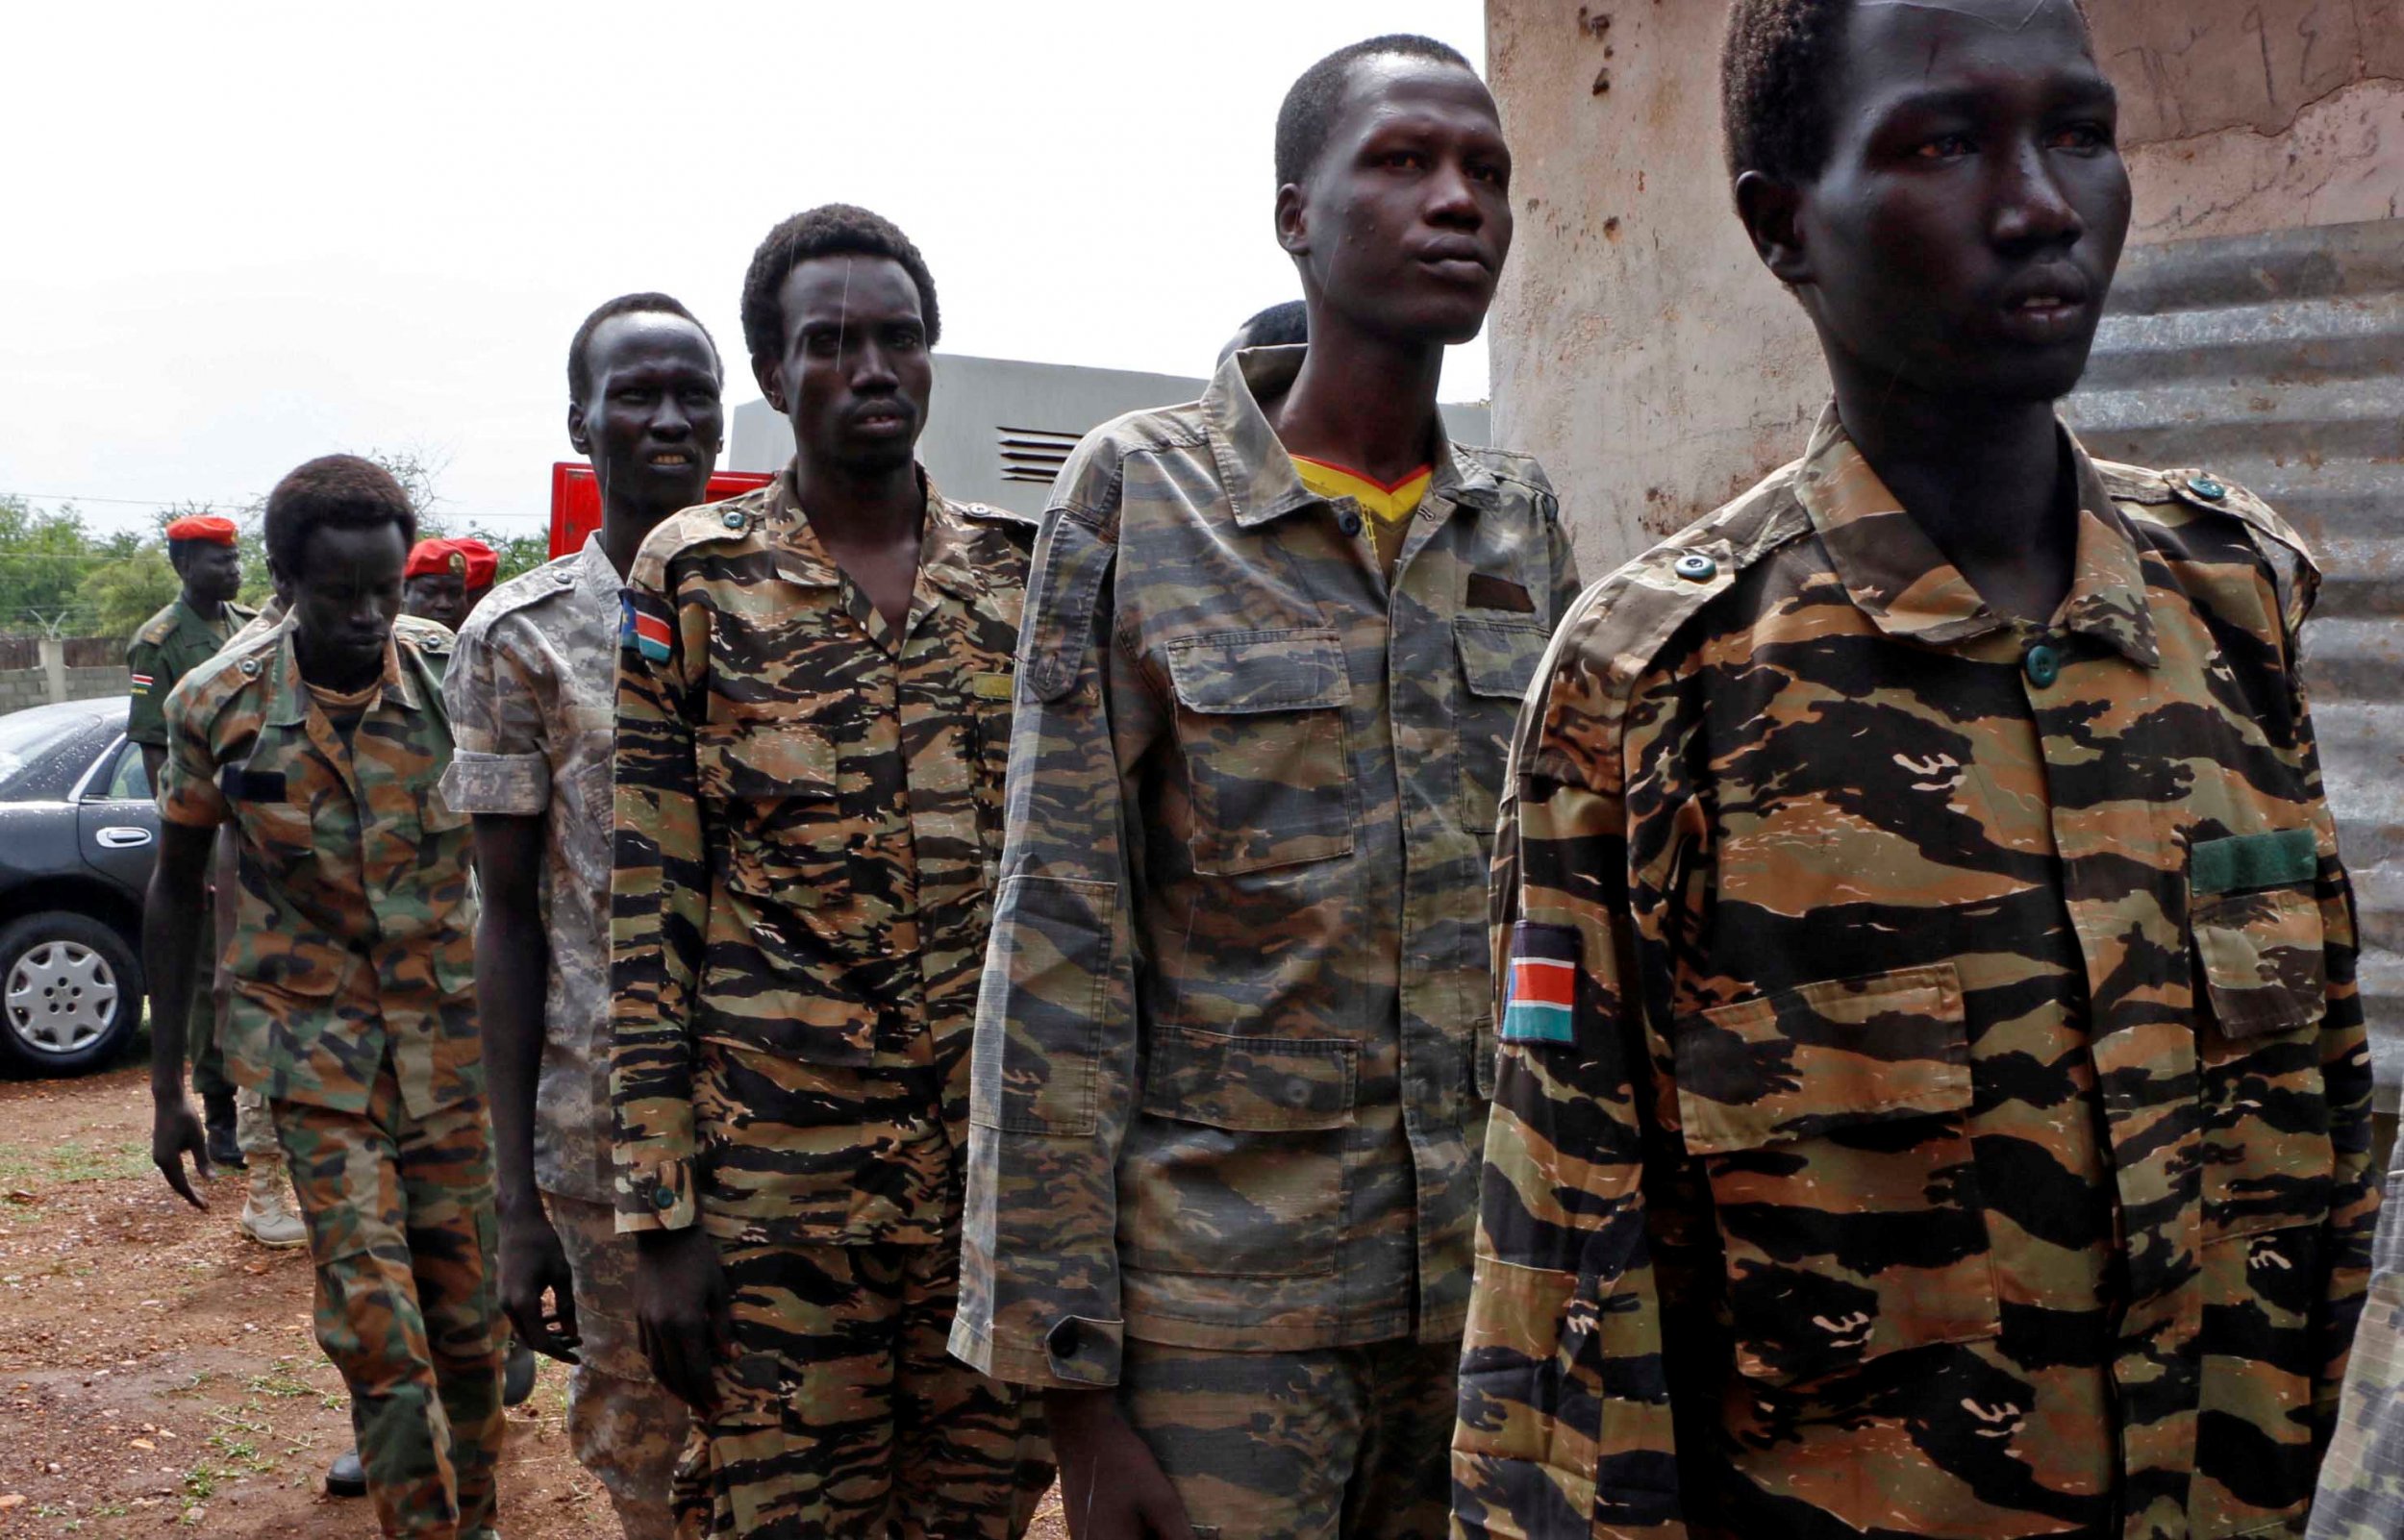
78 833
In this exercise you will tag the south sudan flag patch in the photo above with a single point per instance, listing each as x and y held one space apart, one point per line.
1544 984
646 633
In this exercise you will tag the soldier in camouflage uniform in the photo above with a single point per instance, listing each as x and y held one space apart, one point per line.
1233 1046
812 713
320 743
532 692
169 645
2362 1481
1933 1098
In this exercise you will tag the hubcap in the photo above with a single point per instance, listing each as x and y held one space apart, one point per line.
62 997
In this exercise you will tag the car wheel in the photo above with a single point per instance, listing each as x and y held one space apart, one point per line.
70 993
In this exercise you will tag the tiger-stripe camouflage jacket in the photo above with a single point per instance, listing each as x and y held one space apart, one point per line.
806 819
1933 1099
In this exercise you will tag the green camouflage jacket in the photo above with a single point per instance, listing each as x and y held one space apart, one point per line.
171 644
2362 1481
354 925
1933 1098
1233 1042
808 816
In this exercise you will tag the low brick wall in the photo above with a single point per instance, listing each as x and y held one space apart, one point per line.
40 670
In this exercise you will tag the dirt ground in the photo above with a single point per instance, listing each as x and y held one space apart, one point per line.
157 1372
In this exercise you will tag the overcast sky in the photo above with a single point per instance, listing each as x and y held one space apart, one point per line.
239 236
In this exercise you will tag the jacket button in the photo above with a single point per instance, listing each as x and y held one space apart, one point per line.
1350 522
662 1199
2043 665
734 520
1697 567
2207 489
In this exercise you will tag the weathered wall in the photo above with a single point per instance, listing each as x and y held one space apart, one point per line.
1642 353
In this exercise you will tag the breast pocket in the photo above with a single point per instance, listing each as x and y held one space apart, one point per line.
1832 1122
1498 663
2261 972
1261 723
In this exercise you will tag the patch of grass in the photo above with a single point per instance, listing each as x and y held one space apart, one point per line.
70 1162
200 1483
279 1381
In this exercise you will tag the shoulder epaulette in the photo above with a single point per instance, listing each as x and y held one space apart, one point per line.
988 513
532 586
156 630
426 635
1617 629
2290 556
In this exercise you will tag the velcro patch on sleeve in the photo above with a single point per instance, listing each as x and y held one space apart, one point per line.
1543 994
141 684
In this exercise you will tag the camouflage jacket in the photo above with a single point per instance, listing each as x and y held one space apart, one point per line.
354 926
808 818
171 644
1933 1098
1233 1042
2362 1481
531 694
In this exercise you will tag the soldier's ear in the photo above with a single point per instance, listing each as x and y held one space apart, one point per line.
576 433
769 375
1293 226
1772 212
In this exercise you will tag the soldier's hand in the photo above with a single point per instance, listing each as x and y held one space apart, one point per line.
1111 1487
533 1264
684 1312
174 1130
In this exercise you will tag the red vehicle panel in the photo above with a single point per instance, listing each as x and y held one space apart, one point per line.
576 500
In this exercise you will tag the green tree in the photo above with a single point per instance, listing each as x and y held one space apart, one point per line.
44 558
122 595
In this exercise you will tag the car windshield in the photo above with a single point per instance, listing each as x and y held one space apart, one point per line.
44 752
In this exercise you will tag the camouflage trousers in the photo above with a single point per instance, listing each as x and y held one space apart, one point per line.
401 1232
2362 1480
841 1412
624 1426
1351 1441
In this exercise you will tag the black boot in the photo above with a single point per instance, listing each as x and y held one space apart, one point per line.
518 1374
217 1109
346 1477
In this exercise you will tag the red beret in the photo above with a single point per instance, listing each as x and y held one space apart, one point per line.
483 563
472 559
205 527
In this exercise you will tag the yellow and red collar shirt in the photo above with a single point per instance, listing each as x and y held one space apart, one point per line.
1934 1100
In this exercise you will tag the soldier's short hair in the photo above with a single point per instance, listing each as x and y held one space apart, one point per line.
1775 114
830 230
647 303
333 491
1284 324
1314 100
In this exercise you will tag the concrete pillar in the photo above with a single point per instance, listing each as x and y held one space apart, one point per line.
1642 353
54 667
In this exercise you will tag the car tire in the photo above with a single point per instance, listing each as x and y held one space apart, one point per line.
70 993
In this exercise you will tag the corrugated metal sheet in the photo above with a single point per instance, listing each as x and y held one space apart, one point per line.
2278 361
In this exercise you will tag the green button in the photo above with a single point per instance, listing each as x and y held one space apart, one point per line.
664 1199
733 521
2043 665
2204 487
1697 567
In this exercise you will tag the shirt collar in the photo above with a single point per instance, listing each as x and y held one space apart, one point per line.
1896 575
595 574
945 557
1254 466
290 706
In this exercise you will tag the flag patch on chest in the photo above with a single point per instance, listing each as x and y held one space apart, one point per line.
1544 984
647 633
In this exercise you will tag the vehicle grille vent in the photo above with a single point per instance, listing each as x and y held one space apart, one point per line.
1032 454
